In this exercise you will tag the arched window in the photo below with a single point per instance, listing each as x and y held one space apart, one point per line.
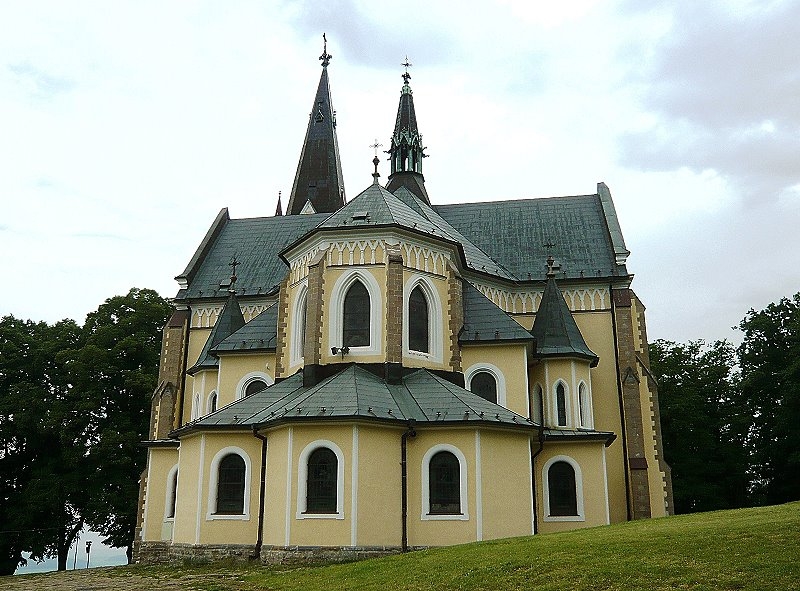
418 327
321 483
196 411
211 406
537 406
584 406
444 481
562 492
355 329
172 493
231 485
299 315
254 386
561 405
484 385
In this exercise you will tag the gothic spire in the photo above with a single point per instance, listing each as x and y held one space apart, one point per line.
318 186
406 150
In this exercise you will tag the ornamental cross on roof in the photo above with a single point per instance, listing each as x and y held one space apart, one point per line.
325 57
406 75
233 264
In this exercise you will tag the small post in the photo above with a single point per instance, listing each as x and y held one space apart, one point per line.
88 549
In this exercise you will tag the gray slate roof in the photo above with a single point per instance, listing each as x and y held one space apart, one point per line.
514 233
229 321
485 322
260 334
579 435
555 330
355 393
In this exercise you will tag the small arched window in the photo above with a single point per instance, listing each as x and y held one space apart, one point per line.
172 495
230 485
562 493
254 386
196 411
584 406
321 485
484 385
561 405
418 327
355 331
444 481
212 402
537 406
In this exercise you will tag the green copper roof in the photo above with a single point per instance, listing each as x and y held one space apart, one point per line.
229 321
484 321
355 393
260 334
555 330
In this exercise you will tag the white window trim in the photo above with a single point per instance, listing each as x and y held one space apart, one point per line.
172 484
492 369
302 484
296 352
213 479
208 401
581 516
426 492
567 405
196 412
588 410
336 318
250 377
435 320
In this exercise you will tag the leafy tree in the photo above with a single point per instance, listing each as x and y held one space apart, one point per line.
769 357
74 404
704 424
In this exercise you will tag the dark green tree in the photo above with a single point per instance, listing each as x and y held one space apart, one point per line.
704 423
769 357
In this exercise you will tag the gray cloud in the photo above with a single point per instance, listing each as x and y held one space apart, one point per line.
724 87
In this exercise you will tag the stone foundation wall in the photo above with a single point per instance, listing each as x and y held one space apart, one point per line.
168 553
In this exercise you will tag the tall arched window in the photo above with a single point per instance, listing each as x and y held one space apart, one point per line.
321 483
484 385
584 407
444 483
172 493
211 406
418 327
561 405
230 485
355 330
537 406
562 492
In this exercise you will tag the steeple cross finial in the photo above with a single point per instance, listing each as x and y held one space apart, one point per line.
233 264
325 57
406 75
552 267
375 146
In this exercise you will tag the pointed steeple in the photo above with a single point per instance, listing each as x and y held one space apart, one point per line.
406 151
318 184
554 328
279 208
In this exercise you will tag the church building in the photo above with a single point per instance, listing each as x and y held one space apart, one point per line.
390 372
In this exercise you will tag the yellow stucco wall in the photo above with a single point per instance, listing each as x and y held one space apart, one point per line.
589 458
157 526
233 368
511 360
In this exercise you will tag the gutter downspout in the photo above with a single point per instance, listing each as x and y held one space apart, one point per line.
533 477
621 406
410 432
260 539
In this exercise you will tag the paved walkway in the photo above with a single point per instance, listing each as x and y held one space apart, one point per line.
100 579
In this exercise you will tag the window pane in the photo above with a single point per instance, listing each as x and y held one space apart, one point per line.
537 406
582 402
356 316
230 485
174 496
484 385
254 386
321 483
418 321
561 486
561 405
445 484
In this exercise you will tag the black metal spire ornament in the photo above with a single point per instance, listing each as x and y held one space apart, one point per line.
406 75
375 161
233 264
326 57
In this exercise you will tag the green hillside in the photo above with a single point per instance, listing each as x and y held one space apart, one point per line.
742 549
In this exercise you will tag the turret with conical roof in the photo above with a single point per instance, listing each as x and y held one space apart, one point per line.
318 186
406 151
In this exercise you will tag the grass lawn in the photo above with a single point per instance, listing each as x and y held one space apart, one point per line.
742 549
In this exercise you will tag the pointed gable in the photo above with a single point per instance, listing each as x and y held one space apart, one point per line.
318 180
555 330
228 322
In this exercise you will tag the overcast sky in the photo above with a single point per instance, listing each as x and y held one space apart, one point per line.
126 126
